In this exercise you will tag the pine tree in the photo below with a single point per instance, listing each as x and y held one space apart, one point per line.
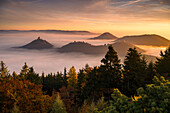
111 70
72 78
134 72
3 70
80 85
24 71
58 106
162 64
32 76
65 77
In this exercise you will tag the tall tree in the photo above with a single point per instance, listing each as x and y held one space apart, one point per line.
65 77
111 70
162 64
24 71
134 72
72 78
58 106
3 70
33 77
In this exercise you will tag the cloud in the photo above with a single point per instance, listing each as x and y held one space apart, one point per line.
17 12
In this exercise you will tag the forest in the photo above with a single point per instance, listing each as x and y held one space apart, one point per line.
136 86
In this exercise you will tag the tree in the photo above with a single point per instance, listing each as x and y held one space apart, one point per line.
72 78
80 84
134 72
153 99
111 70
65 77
3 70
92 89
32 76
58 106
28 96
24 71
162 64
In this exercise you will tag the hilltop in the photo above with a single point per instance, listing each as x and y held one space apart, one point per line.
105 36
151 40
38 44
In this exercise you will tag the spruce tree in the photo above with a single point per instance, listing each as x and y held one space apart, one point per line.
65 77
58 106
162 64
111 70
24 71
134 72
3 70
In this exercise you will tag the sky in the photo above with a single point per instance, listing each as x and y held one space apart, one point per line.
120 17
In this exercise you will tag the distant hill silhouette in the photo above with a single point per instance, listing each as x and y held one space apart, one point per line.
38 44
105 36
83 47
152 40
123 46
74 32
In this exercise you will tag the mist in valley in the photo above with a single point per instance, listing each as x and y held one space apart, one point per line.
48 61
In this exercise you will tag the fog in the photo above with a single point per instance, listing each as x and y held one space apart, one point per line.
48 61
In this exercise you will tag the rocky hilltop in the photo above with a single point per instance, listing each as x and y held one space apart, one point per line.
38 44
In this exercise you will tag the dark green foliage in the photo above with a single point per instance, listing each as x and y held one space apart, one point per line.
134 72
92 89
65 77
33 77
80 84
52 82
110 71
162 64
154 99
3 70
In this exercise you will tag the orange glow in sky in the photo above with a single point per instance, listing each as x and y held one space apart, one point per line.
120 17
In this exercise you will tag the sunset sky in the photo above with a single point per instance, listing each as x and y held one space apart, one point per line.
120 17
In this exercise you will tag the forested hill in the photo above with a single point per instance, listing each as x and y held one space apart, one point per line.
152 40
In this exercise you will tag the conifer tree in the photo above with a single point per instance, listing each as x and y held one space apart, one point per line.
65 77
24 71
3 70
58 106
134 72
72 78
111 70
162 64
32 76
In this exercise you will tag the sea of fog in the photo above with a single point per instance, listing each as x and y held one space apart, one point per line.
48 61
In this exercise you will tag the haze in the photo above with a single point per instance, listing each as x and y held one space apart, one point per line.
49 60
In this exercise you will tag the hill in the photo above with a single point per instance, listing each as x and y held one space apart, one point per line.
83 47
151 40
123 46
38 44
74 32
86 48
105 36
